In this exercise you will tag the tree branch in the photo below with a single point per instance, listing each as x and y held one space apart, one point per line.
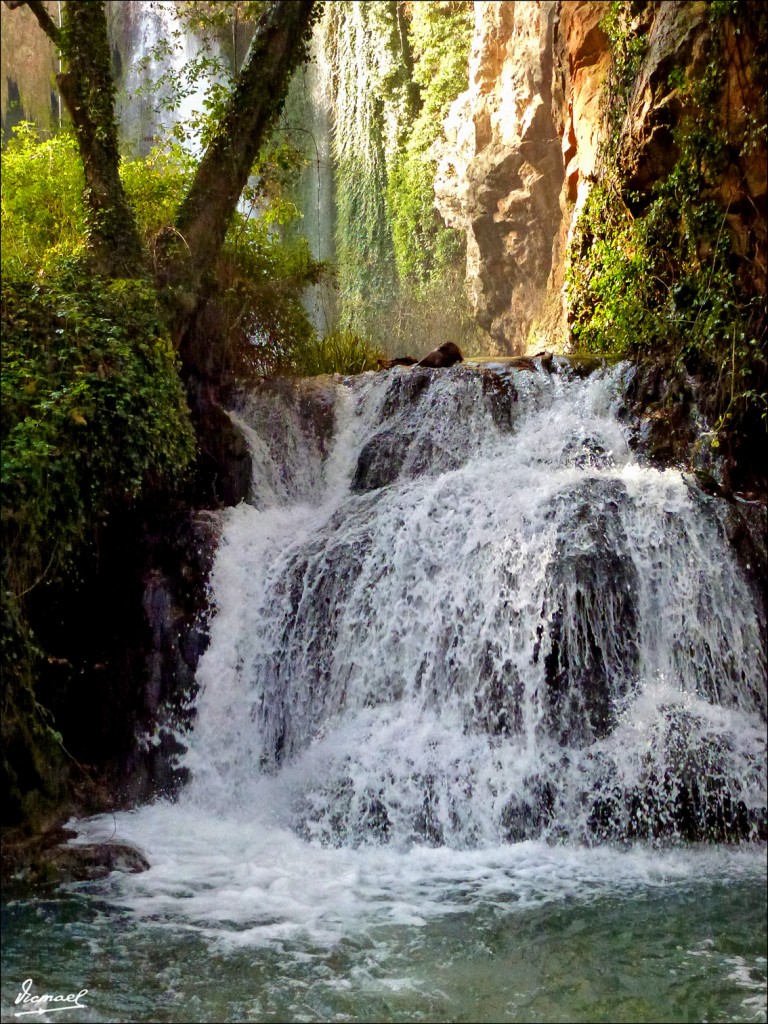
278 46
38 9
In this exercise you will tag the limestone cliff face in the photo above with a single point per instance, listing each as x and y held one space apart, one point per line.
522 146
500 171
29 62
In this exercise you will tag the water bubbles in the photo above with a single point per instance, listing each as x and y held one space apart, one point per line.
467 622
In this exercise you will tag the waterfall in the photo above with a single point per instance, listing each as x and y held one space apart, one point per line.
156 91
466 615
307 120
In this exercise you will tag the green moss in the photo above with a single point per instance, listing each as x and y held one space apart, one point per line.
658 274
395 69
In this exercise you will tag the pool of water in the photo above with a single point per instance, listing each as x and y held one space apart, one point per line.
523 933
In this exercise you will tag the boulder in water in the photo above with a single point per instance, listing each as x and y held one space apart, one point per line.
50 858
445 355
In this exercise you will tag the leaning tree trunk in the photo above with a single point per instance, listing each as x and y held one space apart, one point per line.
88 90
279 45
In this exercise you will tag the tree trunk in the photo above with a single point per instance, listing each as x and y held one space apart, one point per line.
278 46
89 93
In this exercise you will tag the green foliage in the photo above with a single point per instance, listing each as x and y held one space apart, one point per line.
93 416
424 247
259 276
93 413
369 79
42 210
395 69
257 311
658 273
155 187
628 48
338 352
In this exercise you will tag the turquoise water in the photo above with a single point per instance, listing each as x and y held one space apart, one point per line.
663 939
379 717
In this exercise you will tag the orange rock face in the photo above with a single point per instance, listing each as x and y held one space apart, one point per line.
522 145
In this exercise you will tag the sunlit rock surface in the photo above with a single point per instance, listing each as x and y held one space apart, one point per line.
522 145
500 170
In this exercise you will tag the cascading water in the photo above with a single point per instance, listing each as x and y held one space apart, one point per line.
479 620
476 677
157 92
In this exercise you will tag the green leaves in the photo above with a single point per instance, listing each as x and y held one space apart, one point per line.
338 352
42 212
666 281
93 412
424 247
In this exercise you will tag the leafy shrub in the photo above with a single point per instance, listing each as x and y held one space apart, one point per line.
93 412
659 273
93 415
338 352
42 210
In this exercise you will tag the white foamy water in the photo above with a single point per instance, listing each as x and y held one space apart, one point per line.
455 650
243 881
160 90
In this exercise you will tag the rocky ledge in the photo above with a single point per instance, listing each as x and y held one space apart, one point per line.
52 858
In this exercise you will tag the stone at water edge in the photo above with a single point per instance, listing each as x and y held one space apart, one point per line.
49 858
444 355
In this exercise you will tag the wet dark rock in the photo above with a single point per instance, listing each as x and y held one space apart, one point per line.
444 355
223 469
311 400
380 461
410 443
321 573
501 395
388 364
383 456
527 815
589 632
314 400
746 527
405 391
49 858
578 365
689 789
499 695
522 363
662 414
176 609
